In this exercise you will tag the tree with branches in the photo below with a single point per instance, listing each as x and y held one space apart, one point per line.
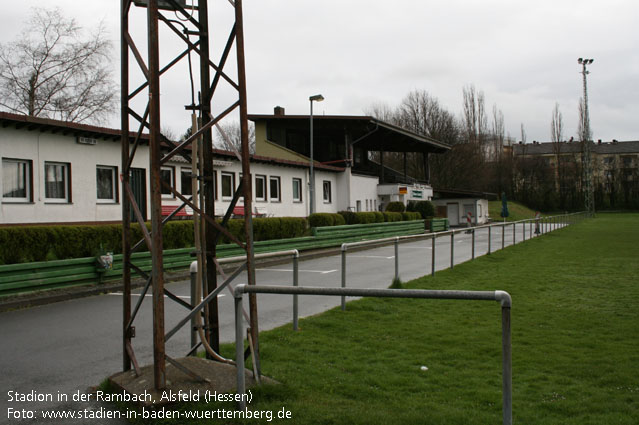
53 70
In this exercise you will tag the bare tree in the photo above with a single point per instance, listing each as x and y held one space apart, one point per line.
475 122
52 70
229 137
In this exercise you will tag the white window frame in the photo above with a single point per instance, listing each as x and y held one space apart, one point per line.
232 177
327 199
299 197
67 184
278 195
168 194
262 178
27 181
114 185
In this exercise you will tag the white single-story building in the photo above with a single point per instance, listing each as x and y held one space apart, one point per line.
458 206
61 172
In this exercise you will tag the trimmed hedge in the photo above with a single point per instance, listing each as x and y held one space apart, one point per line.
411 215
325 219
395 207
392 216
25 244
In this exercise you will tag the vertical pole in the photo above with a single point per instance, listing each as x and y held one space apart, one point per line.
396 258
523 230
507 379
239 352
503 235
452 249
246 170
295 283
343 275
432 261
311 178
514 234
157 272
472 251
489 232
125 177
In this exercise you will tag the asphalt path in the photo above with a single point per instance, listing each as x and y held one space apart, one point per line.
70 346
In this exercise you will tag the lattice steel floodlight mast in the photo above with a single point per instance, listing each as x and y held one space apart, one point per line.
193 23
586 137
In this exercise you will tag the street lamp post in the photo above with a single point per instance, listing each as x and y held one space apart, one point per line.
316 98
586 137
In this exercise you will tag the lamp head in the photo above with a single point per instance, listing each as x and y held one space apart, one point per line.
316 98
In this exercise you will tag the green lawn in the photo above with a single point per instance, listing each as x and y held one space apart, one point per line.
575 321
516 211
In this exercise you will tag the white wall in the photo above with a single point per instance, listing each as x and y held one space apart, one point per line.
480 206
40 147
363 189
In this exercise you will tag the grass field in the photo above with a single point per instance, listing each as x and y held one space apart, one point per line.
575 321
516 211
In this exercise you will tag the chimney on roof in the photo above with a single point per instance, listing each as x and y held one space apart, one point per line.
599 141
279 111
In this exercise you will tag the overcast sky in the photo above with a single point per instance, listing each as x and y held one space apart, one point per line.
357 53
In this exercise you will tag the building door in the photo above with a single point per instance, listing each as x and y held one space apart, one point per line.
452 212
138 187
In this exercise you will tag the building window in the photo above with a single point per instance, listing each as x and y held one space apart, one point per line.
106 182
186 182
16 180
327 191
57 185
260 188
167 177
274 186
479 208
297 190
228 185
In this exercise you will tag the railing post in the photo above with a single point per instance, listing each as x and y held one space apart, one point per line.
295 283
503 235
452 249
343 275
507 378
514 233
432 263
523 230
472 251
239 351
397 258
489 232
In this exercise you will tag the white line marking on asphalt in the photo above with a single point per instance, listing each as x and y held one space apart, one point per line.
185 297
371 256
301 271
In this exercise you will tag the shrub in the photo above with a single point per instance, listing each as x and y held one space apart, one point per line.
292 227
366 217
395 207
349 217
265 229
321 220
325 219
392 216
425 208
379 217
23 244
411 215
